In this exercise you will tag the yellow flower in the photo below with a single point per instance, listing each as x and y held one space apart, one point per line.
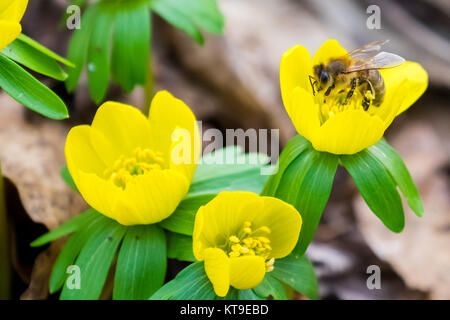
239 235
331 126
11 12
126 166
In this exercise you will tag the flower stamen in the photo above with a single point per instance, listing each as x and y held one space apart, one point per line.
141 162
249 242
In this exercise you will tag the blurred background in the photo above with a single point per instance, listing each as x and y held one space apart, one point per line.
232 82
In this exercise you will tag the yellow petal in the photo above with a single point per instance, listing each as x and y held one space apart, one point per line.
147 198
4 4
199 242
284 222
12 10
330 49
416 78
348 132
151 197
9 31
391 105
80 155
217 268
117 130
171 119
247 272
222 217
295 69
106 150
304 113
100 194
85 168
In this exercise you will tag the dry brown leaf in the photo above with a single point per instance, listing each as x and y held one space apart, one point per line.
32 155
39 283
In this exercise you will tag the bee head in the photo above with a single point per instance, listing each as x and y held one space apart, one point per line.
322 76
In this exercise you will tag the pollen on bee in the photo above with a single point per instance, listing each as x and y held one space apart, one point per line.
369 95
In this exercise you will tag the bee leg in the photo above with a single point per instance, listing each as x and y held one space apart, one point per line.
351 91
313 84
366 103
371 89
368 97
327 93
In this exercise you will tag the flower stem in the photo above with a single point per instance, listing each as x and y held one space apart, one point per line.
5 267
149 87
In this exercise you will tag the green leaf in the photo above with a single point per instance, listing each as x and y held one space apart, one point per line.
37 46
293 149
179 247
78 46
95 260
194 14
66 258
79 3
65 175
178 17
248 294
190 284
182 220
214 175
399 172
141 266
205 14
376 187
270 287
99 55
25 89
131 50
306 184
70 252
226 161
33 59
298 273
313 196
70 226
250 180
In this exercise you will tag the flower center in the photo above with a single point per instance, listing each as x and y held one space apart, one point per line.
342 96
142 161
338 102
249 242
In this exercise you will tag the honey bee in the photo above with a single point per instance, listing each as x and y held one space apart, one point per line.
356 70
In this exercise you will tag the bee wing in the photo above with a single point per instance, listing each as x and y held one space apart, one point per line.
382 60
367 51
